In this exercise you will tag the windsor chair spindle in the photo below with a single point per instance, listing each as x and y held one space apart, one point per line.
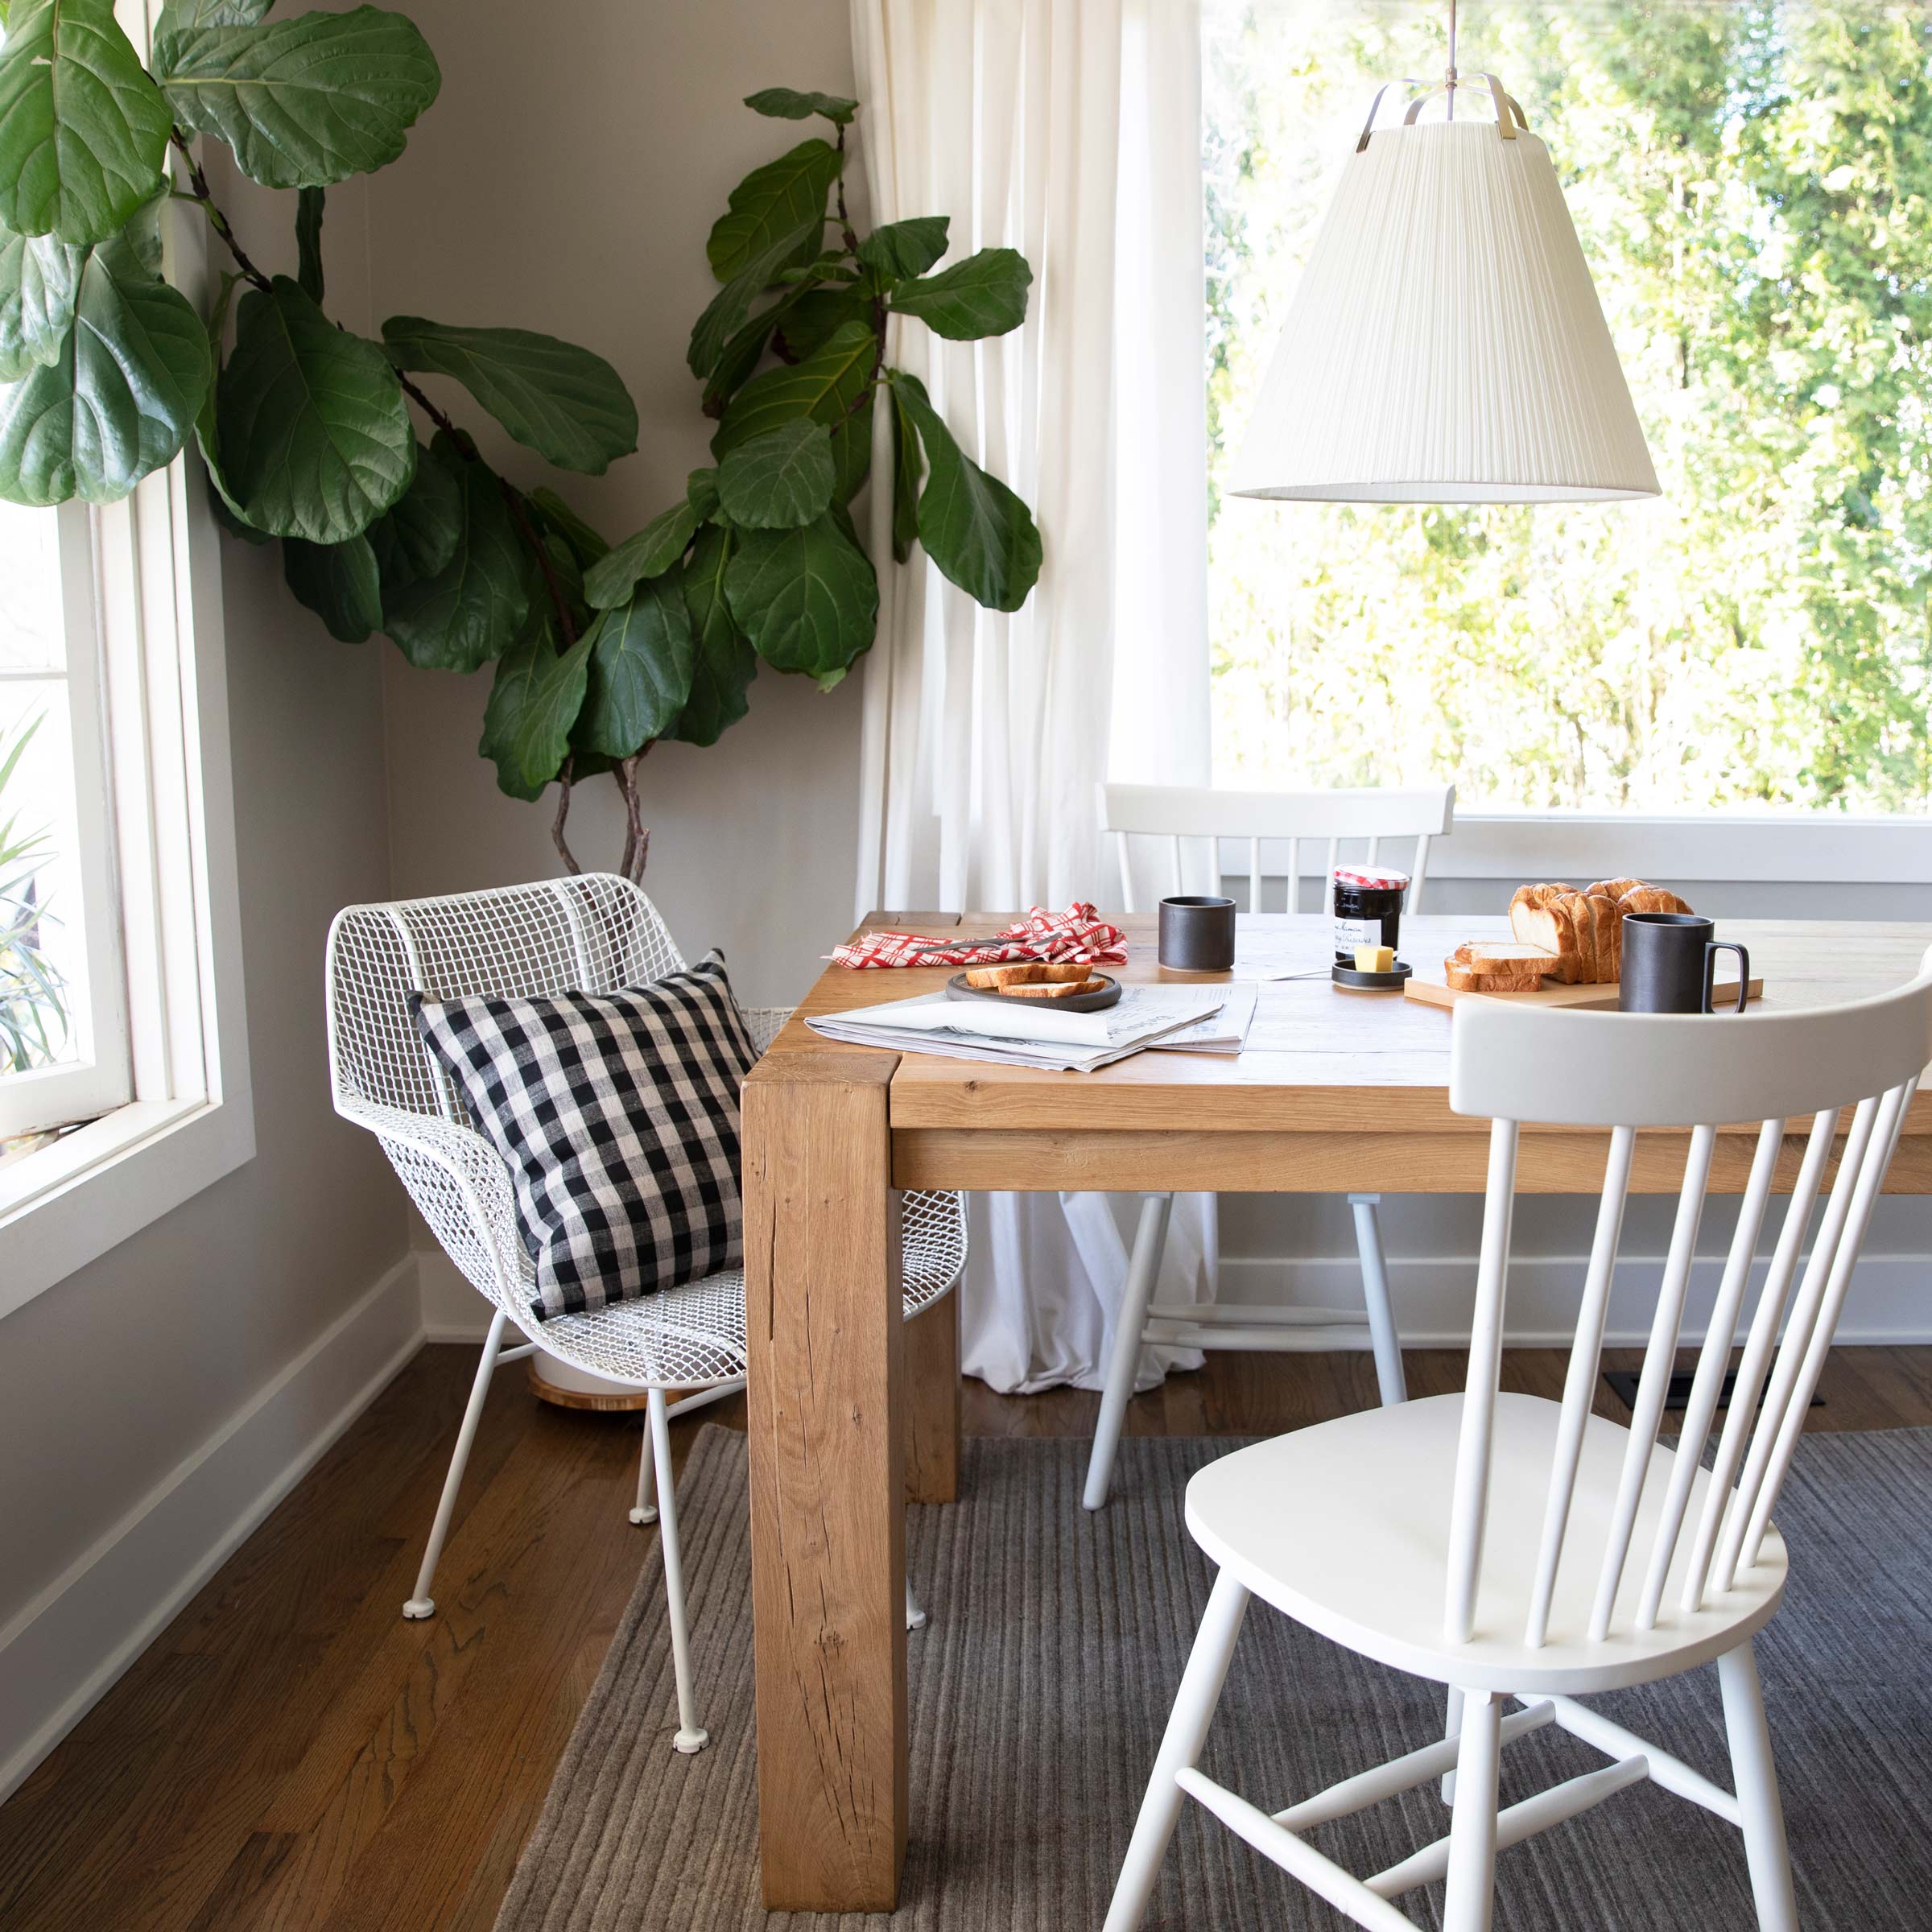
1525 1553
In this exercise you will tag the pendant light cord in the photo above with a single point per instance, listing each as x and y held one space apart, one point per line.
1449 80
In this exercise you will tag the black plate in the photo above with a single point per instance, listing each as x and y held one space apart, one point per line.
1077 1002
1371 982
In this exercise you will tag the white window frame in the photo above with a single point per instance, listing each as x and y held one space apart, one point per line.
97 1075
174 917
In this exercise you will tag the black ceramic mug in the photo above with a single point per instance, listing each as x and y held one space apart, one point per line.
1670 963
1197 934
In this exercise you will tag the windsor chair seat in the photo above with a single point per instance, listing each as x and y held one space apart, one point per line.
1361 1555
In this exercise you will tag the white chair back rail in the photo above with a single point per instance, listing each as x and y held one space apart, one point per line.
1366 815
1850 1071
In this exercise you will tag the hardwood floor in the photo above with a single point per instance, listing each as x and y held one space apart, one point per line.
291 1755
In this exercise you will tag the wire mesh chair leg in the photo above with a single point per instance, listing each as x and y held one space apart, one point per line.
422 1603
690 1737
646 1511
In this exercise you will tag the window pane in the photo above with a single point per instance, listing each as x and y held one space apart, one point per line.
44 1010
1740 179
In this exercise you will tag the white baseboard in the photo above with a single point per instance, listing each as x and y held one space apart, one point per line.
1889 1303
71 1642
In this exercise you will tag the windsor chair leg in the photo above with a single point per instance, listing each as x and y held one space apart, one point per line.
422 1603
1186 1731
1755 1776
645 1510
1452 1725
1382 1334
1472 1893
1143 1267
690 1737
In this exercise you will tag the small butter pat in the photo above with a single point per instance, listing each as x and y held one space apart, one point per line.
1375 959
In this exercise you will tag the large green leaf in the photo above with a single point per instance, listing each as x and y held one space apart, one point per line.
181 13
829 387
570 407
978 532
716 334
338 582
722 662
316 438
83 132
742 354
906 248
779 480
908 466
983 295
586 545
119 399
304 101
472 610
640 670
788 104
648 553
536 699
417 534
39 279
819 314
807 598
785 198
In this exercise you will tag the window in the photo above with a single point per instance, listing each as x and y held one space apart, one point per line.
63 1024
122 978
1748 182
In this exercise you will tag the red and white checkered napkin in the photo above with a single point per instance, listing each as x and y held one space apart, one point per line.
1077 934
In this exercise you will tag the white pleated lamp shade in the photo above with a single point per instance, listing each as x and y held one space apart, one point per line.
1446 345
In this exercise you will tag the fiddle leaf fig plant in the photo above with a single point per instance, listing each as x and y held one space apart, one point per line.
307 435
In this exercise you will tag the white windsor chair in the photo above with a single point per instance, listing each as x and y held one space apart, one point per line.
1525 1551
1177 814
595 933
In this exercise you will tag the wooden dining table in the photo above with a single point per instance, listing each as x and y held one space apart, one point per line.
854 1411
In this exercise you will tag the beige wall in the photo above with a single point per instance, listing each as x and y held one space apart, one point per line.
566 181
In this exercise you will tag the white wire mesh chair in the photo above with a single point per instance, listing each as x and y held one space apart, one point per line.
596 933
1526 1552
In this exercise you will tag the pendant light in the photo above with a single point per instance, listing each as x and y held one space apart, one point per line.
1446 345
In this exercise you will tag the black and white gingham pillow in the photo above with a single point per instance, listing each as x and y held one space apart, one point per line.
617 1114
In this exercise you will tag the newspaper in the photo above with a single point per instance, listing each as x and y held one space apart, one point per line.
1020 1034
1223 1032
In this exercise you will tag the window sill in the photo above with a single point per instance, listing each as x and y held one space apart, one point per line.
1795 848
66 1205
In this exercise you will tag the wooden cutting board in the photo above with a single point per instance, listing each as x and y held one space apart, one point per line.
1435 992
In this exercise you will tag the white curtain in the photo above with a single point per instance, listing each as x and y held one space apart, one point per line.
1069 130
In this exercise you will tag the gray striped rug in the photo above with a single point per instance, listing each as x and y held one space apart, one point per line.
1040 1688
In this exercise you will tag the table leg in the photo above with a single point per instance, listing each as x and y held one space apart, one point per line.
932 1392
826 1439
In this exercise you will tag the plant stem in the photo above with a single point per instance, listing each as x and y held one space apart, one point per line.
556 828
852 240
200 191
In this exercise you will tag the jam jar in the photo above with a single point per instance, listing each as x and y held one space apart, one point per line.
1367 909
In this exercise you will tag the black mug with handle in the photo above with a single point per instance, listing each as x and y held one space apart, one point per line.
1669 964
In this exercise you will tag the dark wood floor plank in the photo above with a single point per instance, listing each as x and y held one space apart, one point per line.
291 1757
